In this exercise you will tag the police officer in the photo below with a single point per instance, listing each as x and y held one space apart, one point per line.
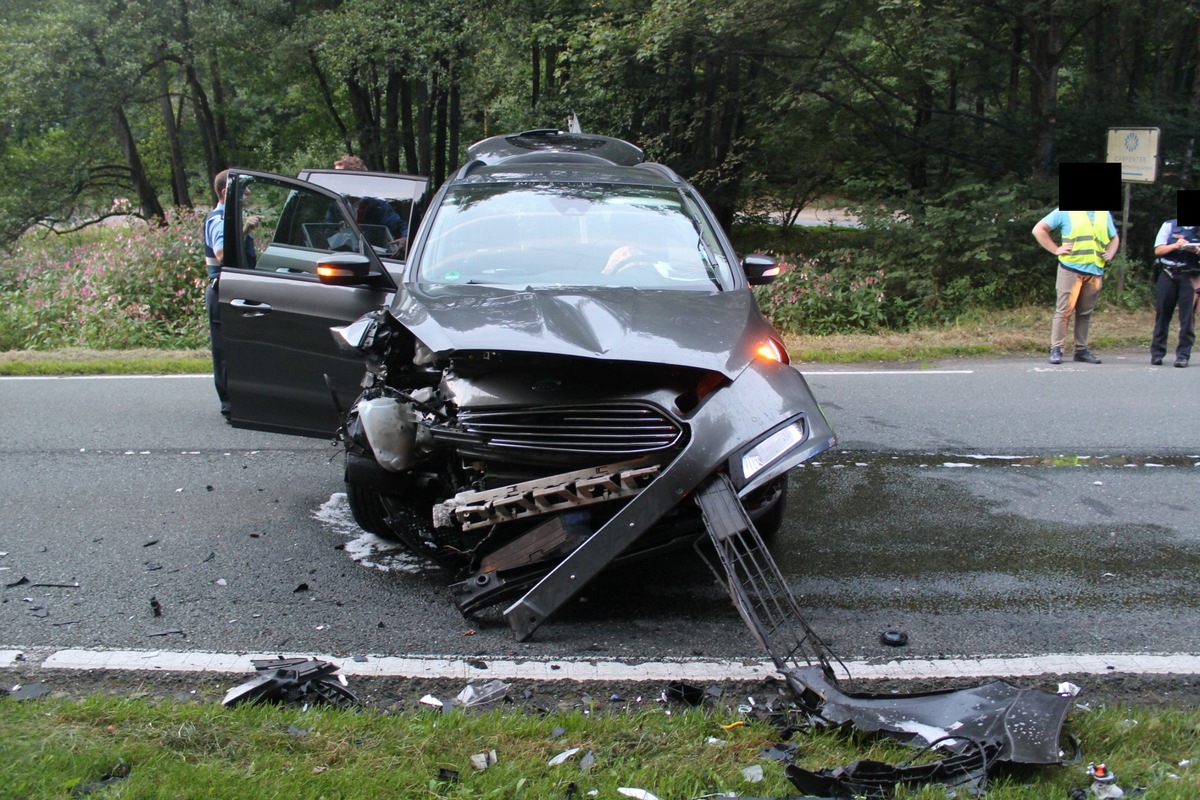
1178 250
214 252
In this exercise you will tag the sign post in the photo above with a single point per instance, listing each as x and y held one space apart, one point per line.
1136 150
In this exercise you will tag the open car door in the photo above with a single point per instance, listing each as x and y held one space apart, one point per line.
275 311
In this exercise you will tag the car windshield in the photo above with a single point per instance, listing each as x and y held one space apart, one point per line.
559 234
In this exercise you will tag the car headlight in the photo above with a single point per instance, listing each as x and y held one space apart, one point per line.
771 448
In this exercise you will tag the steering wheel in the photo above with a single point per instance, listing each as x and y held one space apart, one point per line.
629 258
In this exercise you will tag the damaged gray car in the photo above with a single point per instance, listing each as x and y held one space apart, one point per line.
559 359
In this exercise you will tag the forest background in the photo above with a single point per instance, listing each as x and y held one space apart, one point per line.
939 124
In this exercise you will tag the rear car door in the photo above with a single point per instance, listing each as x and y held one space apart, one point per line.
275 312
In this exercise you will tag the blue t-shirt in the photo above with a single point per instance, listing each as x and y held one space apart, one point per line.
214 238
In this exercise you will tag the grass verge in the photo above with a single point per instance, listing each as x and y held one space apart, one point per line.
57 747
1004 333
74 361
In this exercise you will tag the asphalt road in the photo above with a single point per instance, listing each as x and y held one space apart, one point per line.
999 507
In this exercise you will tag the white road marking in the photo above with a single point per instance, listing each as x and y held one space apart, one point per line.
836 372
578 669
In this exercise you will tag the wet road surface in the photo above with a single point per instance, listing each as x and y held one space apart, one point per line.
964 506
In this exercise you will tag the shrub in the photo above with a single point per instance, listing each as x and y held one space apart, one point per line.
827 294
916 260
128 287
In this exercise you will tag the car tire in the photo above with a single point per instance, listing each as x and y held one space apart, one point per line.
368 510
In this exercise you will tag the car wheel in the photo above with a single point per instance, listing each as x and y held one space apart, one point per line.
368 510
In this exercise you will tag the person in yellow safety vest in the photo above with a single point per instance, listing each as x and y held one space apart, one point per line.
1089 242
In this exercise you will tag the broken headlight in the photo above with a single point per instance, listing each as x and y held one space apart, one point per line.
768 450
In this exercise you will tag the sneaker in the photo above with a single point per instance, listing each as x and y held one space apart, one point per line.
1055 355
1156 361
1086 355
1181 362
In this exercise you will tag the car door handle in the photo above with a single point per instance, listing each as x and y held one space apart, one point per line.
251 308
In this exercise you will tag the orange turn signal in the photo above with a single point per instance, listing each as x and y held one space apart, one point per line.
772 350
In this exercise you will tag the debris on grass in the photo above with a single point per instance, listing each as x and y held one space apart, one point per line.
564 756
119 772
473 695
293 681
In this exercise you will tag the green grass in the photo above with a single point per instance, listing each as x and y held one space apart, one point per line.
1015 332
105 362
1021 332
179 750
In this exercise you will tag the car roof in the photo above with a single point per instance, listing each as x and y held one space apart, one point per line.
552 145
648 174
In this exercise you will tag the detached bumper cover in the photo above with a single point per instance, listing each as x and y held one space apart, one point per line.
763 397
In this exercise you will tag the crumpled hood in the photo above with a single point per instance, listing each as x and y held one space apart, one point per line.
715 331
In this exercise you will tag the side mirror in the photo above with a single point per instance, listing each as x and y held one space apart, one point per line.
345 269
760 269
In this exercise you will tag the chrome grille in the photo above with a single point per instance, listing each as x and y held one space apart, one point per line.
613 429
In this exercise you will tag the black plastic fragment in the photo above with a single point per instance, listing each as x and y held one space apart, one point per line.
119 772
894 638
1012 724
293 681
30 691
783 751
685 693
866 778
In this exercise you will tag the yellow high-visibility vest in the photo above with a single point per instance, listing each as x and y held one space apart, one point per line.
1090 238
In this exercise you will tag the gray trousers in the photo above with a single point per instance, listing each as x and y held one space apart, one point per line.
1077 296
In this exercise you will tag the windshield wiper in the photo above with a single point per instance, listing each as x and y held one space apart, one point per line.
706 257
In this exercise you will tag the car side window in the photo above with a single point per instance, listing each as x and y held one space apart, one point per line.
287 228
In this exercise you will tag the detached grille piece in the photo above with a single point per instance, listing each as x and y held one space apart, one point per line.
609 429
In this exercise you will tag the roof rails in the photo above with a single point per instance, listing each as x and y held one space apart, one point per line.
550 145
